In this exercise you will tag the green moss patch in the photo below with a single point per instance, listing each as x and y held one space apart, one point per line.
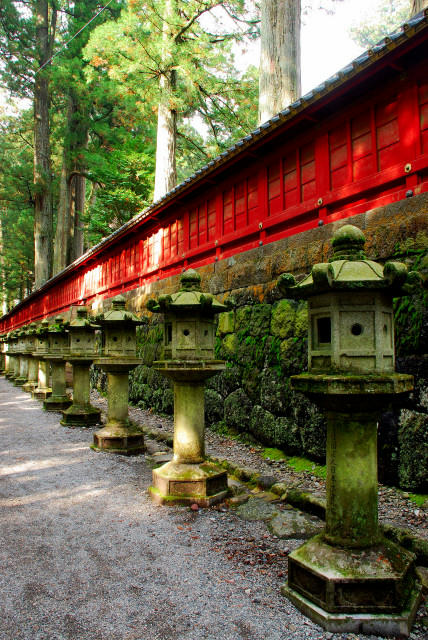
296 463
418 498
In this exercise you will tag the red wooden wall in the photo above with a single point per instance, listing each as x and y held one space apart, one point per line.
365 155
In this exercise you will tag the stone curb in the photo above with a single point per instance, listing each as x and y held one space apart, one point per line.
305 501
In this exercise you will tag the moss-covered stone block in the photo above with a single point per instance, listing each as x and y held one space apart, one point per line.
229 346
274 391
251 383
213 406
168 401
260 320
413 446
225 382
289 436
311 424
242 318
226 323
263 425
293 355
237 410
283 318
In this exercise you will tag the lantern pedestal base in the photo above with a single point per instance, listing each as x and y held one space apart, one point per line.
19 382
124 440
41 394
29 387
76 416
56 403
371 590
203 484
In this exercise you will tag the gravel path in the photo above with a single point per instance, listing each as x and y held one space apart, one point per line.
85 555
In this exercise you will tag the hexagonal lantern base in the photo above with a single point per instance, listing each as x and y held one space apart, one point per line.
76 416
124 440
19 382
56 403
41 394
370 590
203 484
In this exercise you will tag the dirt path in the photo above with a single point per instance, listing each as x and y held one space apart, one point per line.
85 555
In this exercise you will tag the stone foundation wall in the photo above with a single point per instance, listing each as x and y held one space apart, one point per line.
263 341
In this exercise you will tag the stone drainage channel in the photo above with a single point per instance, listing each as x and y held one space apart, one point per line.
86 555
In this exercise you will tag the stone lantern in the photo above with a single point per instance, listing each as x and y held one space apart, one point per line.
21 351
83 348
33 363
43 390
118 358
2 354
7 358
13 355
189 330
57 355
350 578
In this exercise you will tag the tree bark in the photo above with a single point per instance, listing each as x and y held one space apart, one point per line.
2 277
279 80
43 219
62 233
418 5
166 171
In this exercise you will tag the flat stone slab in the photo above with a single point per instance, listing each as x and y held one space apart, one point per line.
292 523
257 509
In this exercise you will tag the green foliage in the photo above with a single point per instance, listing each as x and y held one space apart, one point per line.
380 22
296 463
411 312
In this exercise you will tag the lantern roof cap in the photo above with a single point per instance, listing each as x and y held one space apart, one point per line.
58 325
82 320
188 299
349 270
118 313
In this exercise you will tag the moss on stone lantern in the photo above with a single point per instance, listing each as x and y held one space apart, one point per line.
7 358
13 355
350 578
33 363
118 358
22 369
43 390
57 355
83 348
2 354
189 331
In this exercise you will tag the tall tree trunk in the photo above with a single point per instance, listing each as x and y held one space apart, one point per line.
62 233
279 79
3 296
166 171
43 220
418 5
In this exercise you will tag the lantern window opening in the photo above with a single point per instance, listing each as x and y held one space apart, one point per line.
357 329
324 330
168 333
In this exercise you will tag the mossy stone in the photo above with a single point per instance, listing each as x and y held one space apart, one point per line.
225 382
226 323
274 392
251 383
413 445
213 406
283 318
263 425
229 346
237 409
